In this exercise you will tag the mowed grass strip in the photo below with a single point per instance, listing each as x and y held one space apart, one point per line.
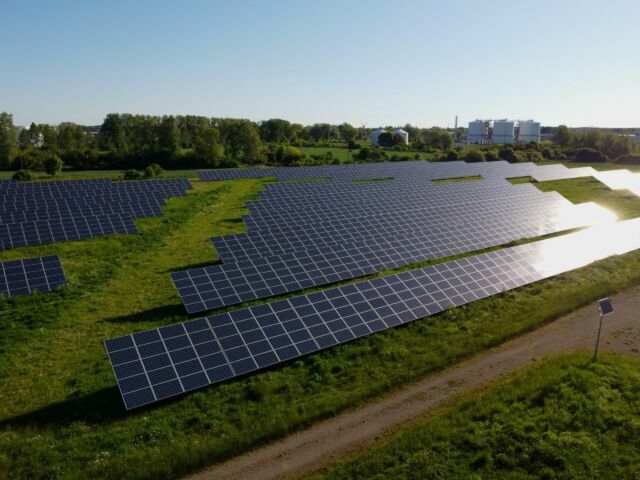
64 418
565 418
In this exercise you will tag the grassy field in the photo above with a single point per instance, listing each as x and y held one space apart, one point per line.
596 166
346 155
61 415
566 418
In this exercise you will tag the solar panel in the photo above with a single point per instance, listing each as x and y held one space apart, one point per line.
164 362
39 274
46 212
259 277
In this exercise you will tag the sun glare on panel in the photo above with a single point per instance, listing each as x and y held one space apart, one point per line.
560 254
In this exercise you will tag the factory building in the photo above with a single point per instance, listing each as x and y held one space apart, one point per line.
483 132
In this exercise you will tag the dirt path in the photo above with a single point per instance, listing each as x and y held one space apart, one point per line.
341 436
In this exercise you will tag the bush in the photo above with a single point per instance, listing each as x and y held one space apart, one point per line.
352 145
158 170
132 175
53 165
286 155
449 156
508 154
473 156
532 156
631 159
590 155
491 156
23 175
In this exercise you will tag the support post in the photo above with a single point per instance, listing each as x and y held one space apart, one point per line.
595 354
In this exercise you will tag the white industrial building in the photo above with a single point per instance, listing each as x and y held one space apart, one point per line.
528 131
398 132
503 132
404 135
373 136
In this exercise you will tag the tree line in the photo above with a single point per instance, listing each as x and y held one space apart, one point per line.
126 141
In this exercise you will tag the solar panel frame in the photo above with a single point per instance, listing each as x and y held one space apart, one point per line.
26 276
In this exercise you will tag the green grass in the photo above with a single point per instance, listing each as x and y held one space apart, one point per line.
346 155
624 203
61 415
566 418
596 166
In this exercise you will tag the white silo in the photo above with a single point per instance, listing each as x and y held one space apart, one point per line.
478 131
373 136
398 132
503 131
529 131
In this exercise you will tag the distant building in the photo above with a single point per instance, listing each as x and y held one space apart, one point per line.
373 136
503 132
528 131
404 135
487 132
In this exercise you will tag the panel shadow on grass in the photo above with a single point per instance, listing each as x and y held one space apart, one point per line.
100 407
158 314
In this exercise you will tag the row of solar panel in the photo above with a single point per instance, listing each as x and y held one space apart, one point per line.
64 229
161 363
275 241
436 170
260 277
22 277
75 187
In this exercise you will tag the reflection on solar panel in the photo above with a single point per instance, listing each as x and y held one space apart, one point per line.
161 363
307 234
436 170
39 274
46 212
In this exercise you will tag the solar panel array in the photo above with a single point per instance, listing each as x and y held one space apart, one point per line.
157 364
39 274
46 212
307 234
433 170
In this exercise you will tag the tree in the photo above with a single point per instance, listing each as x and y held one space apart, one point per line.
53 165
241 140
437 138
71 137
348 133
385 139
473 155
286 155
323 132
208 146
8 141
508 154
563 136
112 134
276 130
168 135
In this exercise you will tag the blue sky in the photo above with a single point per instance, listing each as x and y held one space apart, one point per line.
364 62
